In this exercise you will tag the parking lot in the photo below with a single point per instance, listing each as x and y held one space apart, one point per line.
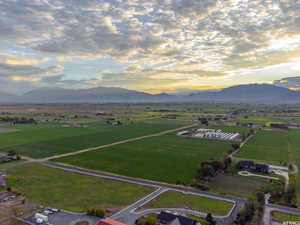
60 218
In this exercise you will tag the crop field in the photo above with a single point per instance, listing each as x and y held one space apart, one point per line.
173 199
70 191
166 158
294 148
267 146
231 129
44 141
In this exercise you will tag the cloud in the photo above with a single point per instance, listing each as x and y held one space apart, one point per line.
288 82
7 70
175 41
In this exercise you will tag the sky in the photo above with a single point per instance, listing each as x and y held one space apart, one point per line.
153 46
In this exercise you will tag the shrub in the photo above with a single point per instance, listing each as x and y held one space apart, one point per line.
99 212
147 220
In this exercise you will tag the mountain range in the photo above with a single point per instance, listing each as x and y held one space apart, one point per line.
250 93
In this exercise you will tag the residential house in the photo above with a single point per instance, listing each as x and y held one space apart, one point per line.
165 218
262 168
250 165
246 165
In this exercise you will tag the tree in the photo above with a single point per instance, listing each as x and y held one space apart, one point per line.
210 219
205 171
147 220
227 162
217 165
99 212
260 197
11 153
235 146
247 213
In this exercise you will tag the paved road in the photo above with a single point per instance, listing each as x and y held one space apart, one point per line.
129 215
119 142
269 208
139 181
16 164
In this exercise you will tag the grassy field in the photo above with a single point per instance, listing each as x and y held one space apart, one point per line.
232 129
70 191
285 217
294 149
44 141
166 158
10 163
236 185
173 199
267 146
275 147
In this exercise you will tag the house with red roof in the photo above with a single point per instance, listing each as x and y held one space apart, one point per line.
109 222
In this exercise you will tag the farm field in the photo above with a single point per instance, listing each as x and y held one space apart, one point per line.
294 149
269 146
166 158
173 199
49 141
230 129
236 185
70 191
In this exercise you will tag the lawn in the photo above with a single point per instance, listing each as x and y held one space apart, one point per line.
48 141
267 146
166 158
282 217
236 185
70 191
173 199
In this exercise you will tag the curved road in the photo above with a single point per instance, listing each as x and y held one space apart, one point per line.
129 215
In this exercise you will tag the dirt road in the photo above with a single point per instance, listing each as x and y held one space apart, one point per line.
118 143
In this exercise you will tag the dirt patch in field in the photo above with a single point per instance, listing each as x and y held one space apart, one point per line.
6 130
236 185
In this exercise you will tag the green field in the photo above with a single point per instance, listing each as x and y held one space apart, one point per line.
267 146
173 199
43 141
71 191
285 217
275 147
166 158
294 149
10 163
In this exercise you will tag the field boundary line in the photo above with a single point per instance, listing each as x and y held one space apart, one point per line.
117 143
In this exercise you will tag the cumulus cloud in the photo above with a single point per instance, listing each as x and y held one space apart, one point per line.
7 70
175 40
